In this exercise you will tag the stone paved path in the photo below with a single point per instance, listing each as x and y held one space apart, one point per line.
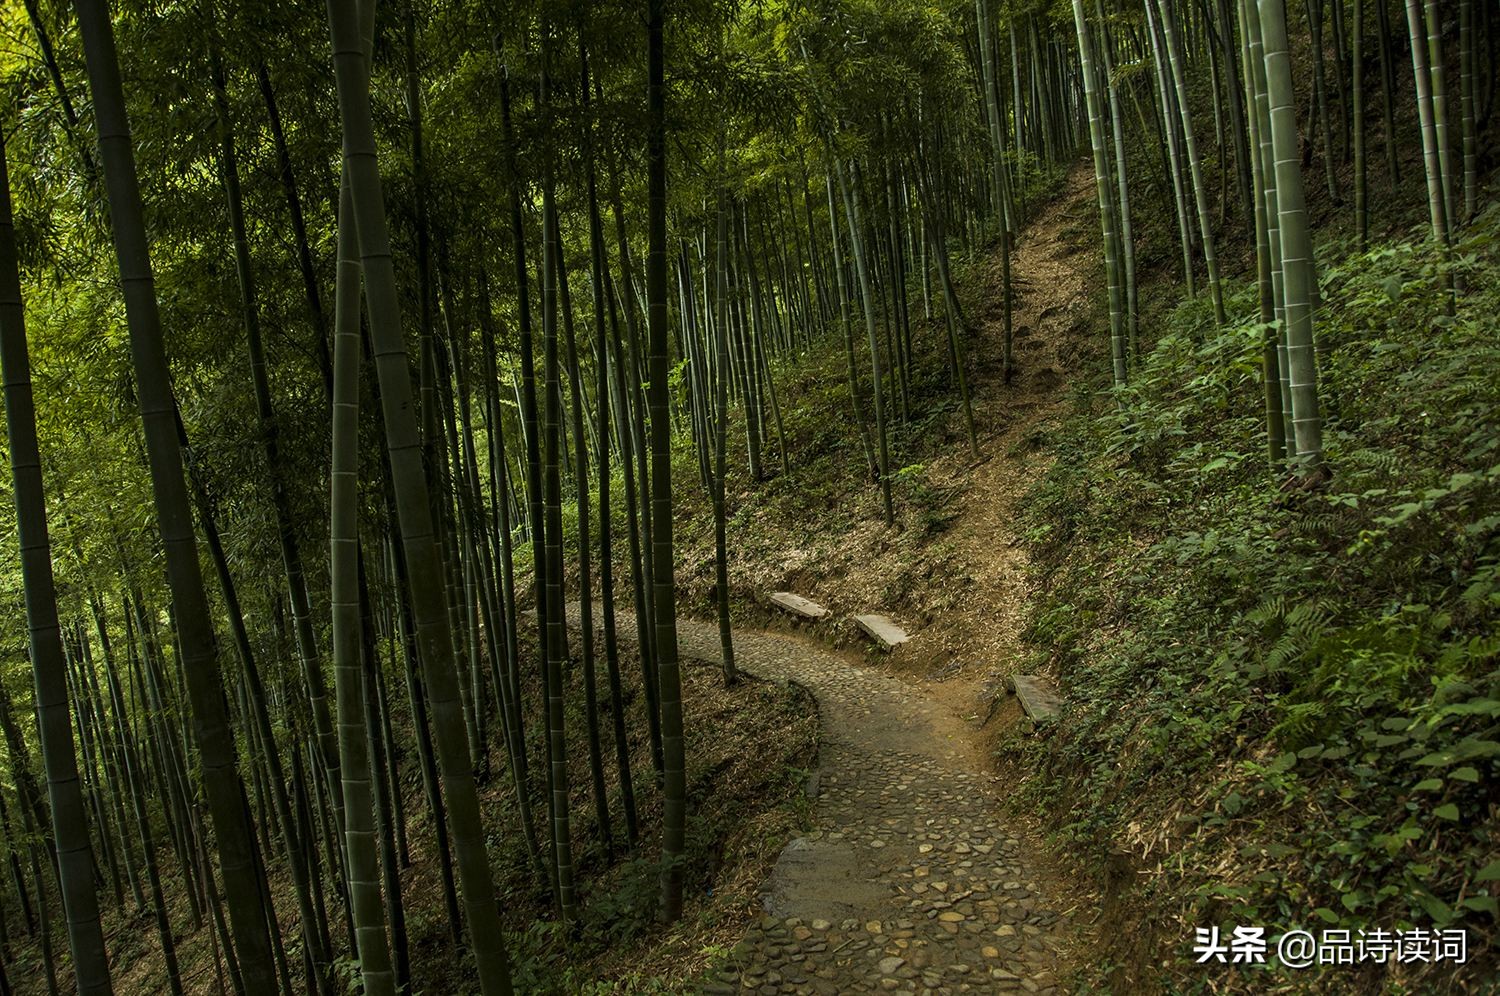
910 882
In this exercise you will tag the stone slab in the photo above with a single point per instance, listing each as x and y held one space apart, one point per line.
820 879
886 634
802 608
1039 700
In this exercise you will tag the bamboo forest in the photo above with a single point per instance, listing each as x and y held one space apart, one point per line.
749 496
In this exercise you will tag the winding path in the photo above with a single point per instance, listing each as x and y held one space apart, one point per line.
910 881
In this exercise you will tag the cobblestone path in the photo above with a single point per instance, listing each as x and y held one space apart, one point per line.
909 882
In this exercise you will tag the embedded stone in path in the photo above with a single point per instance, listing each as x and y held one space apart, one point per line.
886 634
1038 698
802 608
820 879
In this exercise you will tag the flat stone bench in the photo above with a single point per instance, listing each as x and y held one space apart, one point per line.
886 634
1039 700
802 608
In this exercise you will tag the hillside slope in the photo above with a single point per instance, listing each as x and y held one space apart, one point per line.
1247 669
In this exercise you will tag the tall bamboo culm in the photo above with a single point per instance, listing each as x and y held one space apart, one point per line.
1298 276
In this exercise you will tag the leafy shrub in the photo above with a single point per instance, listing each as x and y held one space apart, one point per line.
1289 700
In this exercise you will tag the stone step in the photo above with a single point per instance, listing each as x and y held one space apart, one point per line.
1039 699
802 608
886 634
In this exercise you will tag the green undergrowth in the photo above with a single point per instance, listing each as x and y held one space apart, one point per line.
750 749
1283 702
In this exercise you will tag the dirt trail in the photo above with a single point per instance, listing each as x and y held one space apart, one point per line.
911 880
976 637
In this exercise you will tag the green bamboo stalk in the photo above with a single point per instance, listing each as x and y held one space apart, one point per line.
1000 192
1433 158
1387 89
1127 235
674 787
1320 96
1298 276
366 905
426 576
1101 189
1466 83
1435 66
75 862
867 295
872 465
1165 103
555 609
1357 113
1273 222
1195 167
249 907
1270 361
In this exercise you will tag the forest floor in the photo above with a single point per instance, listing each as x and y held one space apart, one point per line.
916 876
